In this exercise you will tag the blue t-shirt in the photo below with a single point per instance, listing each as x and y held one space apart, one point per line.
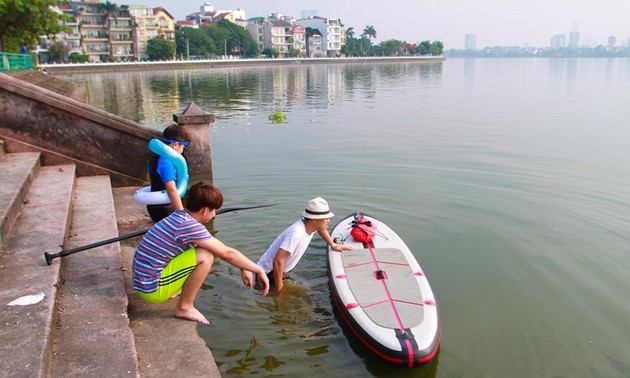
167 170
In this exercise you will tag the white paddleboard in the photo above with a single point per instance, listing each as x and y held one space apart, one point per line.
383 295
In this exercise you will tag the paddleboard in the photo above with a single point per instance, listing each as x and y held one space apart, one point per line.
383 295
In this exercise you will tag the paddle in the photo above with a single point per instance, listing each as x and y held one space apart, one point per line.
50 256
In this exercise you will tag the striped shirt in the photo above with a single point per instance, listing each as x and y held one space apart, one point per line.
164 241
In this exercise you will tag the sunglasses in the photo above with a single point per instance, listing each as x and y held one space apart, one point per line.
184 143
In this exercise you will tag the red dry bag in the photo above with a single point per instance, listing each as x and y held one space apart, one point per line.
363 230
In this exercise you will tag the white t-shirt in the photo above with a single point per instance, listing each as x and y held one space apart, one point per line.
294 240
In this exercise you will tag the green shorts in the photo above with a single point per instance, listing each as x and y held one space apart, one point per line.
173 277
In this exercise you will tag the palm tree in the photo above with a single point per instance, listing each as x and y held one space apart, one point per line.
350 32
111 11
369 32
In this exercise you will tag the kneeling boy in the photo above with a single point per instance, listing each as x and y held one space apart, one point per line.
177 254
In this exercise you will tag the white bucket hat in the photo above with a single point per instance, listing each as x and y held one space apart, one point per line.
317 208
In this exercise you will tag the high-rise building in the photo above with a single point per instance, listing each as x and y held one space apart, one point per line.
470 41
574 39
558 41
612 41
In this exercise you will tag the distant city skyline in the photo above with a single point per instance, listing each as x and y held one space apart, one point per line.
493 22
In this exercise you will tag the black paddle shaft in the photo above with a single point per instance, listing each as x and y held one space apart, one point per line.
50 256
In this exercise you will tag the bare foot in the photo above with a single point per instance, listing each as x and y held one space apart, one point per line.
191 314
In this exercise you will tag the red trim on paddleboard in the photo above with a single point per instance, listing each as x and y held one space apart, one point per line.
409 303
364 341
356 265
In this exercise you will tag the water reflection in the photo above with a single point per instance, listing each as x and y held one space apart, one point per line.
151 98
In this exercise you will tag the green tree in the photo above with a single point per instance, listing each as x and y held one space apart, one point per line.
293 53
430 48
350 32
238 41
58 52
351 47
437 48
424 48
110 9
369 32
391 47
160 48
78 58
24 21
220 37
272 53
366 40
199 43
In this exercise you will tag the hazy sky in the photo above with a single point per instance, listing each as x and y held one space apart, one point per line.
494 22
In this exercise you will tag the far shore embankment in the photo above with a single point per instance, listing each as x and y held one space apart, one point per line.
72 68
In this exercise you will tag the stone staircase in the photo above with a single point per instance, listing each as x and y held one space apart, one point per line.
85 324
80 328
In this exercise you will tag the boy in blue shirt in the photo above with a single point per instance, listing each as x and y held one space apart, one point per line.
163 173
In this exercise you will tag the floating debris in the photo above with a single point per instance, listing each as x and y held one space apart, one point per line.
277 117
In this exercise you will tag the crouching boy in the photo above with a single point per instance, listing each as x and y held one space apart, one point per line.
177 254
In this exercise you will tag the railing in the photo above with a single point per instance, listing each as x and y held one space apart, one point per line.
15 62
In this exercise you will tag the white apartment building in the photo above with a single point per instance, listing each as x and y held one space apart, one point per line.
332 33
256 27
279 34
149 23
114 33
209 15
299 39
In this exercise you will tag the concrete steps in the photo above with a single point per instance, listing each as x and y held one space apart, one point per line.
80 328
92 333
17 171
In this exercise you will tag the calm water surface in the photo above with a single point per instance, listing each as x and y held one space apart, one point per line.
509 179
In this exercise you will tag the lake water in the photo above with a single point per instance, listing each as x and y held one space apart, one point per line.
508 178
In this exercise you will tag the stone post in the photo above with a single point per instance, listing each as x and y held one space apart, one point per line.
199 154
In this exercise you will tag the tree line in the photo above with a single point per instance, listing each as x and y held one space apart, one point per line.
25 21
363 46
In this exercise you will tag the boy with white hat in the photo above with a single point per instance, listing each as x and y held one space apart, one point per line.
285 252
